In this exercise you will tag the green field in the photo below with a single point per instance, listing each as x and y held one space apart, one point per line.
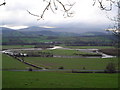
64 52
58 80
54 63
61 52
64 39
11 63
89 47
73 47
16 46
72 63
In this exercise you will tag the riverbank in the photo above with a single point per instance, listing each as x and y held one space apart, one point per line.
112 51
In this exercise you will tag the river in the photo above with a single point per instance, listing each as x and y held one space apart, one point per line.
59 47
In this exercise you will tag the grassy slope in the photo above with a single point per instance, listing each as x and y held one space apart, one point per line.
58 80
11 63
72 63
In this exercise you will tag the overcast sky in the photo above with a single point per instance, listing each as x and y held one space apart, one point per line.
14 15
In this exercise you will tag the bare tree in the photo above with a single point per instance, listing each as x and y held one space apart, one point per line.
107 5
53 6
3 3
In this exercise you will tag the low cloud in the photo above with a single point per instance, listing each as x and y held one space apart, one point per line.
86 17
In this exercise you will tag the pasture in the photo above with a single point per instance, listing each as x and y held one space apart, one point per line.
73 47
54 63
12 79
58 79
61 52
89 47
65 39
9 63
16 46
72 63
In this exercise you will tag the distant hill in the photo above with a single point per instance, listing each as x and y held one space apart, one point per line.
39 31
7 32
33 28
33 32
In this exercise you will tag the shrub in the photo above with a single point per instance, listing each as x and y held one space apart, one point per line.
30 69
83 68
61 67
110 68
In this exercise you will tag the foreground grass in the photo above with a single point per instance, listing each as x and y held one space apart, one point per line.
58 80
72 63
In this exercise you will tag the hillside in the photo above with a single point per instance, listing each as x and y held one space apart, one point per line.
39 31
7 32
33 32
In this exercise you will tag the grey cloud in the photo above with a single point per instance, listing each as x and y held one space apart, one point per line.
19 16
